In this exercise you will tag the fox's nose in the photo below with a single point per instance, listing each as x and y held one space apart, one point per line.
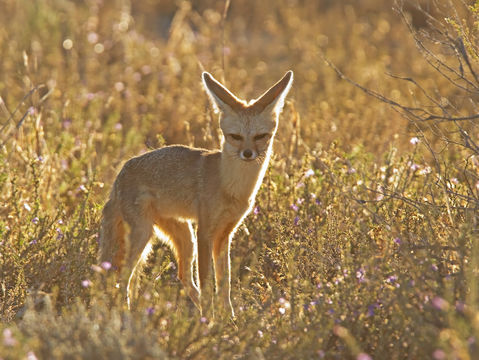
247 153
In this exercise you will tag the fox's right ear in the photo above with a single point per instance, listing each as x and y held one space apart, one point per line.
221 98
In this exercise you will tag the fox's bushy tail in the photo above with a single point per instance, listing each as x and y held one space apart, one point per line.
112 234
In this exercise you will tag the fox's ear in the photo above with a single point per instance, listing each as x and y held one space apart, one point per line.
273 99
221 98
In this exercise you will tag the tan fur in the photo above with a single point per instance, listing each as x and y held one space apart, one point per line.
173 187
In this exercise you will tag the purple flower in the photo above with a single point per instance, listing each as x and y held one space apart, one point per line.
67 123
106 265
360 275
203 320
414 140
397 241
439 354
294 207
439 303
434 267
35 220
8 339
371 309
59 233
256 210
34 242
296 220
150 310
414 167
392 279
86 283
363 356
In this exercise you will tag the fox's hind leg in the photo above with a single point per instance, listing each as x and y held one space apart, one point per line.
141 230
181 236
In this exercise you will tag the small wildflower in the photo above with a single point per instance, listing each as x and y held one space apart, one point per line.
34 242
145 69
92 37
294 207
35 220
260 333
439 354
86 283
203 320
414 140
59 233
150 310
434 267
67 123
296 220
82 188
309 173
282 310
414 167
439 303
360 275
119 86
31 356
351 170
31 110
363 356
371 309
27 207
8 339
397 241
460 306
425 171
118 126
256 210
392 279
454 181
106 265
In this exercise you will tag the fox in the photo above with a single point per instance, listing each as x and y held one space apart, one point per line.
194 199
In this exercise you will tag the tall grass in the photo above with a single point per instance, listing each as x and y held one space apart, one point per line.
355 248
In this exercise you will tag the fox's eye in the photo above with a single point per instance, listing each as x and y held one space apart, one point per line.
260 136
236 137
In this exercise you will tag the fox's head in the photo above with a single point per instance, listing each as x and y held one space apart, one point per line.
248 128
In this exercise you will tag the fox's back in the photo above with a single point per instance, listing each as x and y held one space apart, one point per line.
165 178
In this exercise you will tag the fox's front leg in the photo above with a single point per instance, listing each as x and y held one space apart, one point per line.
221 257
205 245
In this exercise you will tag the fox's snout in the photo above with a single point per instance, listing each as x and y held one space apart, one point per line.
248 154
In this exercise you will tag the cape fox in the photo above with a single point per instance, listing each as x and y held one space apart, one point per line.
170 189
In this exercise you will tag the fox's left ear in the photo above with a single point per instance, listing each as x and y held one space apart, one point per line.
273 99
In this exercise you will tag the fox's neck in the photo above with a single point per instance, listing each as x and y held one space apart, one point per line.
241 179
